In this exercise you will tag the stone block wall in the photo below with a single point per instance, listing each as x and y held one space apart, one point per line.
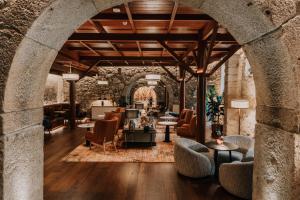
239 84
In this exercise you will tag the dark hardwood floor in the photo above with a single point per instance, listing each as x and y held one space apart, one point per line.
132 181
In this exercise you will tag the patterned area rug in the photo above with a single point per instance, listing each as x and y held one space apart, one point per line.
162 152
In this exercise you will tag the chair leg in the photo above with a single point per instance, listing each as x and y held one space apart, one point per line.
104 146
115 146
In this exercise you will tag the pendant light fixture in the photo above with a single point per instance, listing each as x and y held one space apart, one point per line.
70 76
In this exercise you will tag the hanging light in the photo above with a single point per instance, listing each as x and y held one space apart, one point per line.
102 82
152 83
70 76
152 77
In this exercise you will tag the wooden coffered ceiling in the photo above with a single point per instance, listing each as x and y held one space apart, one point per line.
147 33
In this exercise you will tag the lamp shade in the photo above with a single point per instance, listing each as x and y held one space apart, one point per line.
239 103
99 82
152 77
152 83
70 77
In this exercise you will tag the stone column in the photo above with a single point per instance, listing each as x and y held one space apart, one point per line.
72 92
239 84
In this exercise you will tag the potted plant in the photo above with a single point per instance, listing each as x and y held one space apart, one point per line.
214 110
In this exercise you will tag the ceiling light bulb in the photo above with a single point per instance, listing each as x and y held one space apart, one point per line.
116 10
124 23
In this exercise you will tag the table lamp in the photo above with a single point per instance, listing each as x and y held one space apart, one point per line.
240 104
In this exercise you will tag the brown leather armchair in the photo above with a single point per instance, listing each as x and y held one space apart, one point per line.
110 115
103 132
188 114
188 130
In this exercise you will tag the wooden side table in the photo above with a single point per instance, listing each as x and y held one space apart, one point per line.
225 146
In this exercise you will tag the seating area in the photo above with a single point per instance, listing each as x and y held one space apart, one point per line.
154 100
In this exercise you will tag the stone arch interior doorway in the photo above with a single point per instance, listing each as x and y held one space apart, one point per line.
145 95
266 32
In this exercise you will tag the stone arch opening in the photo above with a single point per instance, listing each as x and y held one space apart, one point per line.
143 94
164 79
266 32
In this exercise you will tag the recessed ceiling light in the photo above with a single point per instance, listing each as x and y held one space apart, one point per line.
116 10
124 23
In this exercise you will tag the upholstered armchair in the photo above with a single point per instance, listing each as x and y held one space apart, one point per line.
103 132
110 115
246 149
187 117
236 178
192 159
188 130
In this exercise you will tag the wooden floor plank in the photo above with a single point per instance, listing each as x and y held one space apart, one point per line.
117 181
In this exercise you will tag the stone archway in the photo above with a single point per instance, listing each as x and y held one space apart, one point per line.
128 89
32 32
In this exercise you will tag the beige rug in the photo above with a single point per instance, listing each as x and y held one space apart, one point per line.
162 152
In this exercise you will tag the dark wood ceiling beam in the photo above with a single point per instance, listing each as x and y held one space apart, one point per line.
181 63
224 59
70 48
169 73
145 17
128 58
144 37
210 48
90 48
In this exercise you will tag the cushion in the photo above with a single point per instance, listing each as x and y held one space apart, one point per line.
223 156
199 148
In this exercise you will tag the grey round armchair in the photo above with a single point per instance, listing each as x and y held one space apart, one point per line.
236 178
192 159
246 149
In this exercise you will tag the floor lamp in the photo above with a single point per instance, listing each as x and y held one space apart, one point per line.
240 104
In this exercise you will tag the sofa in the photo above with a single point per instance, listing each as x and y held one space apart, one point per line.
192 159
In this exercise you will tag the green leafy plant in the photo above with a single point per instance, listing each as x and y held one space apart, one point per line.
214 106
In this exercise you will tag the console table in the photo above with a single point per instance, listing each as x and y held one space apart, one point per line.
139 138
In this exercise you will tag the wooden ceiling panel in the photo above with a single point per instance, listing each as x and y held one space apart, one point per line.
135 34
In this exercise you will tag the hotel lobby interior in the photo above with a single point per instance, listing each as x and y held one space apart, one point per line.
150 100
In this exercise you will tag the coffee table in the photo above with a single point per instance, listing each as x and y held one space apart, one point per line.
225 146
168 118
88 127
167 132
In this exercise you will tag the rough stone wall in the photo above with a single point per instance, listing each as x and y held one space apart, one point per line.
32 32
54 89
239 84
119 81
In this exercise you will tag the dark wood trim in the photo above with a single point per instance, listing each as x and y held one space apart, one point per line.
144 37
200 112
169 73
224 59
145 17
128 58
181 63
142 49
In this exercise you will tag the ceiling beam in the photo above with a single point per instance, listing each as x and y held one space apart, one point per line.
177 58
169 73
145 17
224 59
70 48
128 58
90 48
144 37
210 48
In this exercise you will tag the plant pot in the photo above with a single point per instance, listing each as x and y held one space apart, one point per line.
217 131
